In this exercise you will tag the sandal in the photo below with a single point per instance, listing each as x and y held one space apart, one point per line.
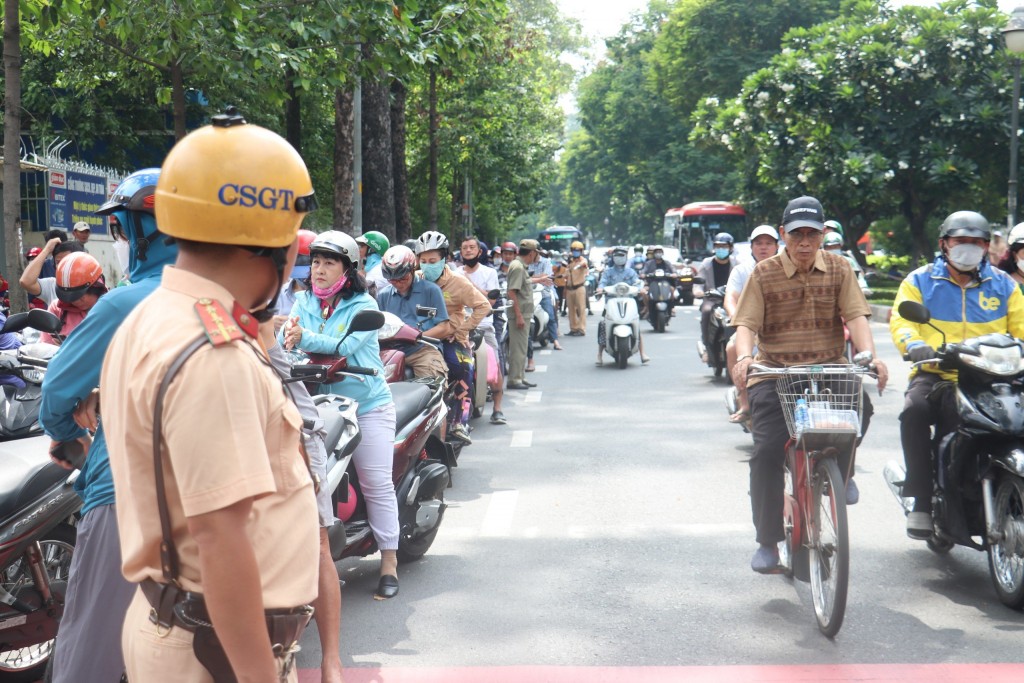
740 416
557 346
599 363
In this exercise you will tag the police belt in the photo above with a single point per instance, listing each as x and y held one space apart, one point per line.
173 606
575 286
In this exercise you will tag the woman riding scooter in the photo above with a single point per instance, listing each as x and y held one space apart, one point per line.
318 321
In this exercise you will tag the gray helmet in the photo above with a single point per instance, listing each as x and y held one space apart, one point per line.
965 224
724 238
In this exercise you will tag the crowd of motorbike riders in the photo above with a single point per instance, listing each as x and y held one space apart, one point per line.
198 440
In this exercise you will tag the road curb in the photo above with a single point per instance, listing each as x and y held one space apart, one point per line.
880 314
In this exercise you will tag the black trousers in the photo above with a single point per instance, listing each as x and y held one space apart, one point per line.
706 307
921 409
767 464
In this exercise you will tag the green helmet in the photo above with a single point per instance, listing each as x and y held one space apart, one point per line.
832 239
377 242
835 225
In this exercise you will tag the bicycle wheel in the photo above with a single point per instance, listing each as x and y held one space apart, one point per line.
829 543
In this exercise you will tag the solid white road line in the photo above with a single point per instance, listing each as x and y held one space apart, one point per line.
522 438
498 520
541 368
533 396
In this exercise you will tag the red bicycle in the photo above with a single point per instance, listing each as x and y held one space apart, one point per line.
822 405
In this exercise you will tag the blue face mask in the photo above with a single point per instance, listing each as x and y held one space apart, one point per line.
432 271
721 254
576 252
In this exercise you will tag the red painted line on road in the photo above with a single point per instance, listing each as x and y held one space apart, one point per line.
827 673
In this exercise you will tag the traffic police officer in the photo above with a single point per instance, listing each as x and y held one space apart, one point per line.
215 503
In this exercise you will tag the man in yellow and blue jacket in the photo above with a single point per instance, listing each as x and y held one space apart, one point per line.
967 297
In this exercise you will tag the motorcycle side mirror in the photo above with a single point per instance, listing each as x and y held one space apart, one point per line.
16 322
918 313
44 321
426 311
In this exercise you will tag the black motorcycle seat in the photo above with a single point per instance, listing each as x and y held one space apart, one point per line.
26 471
411 398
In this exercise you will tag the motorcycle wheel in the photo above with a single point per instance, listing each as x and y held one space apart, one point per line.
1006 558
621 353
29 664
829 543
688 299
659 321
412 548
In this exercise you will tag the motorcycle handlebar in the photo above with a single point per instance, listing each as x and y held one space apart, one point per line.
37 362
357 370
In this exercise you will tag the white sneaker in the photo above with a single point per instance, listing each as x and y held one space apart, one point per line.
919 525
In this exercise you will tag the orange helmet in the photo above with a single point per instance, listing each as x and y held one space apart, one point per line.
78 273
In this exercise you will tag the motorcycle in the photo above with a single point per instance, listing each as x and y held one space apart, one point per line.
718 333
686 275
661 298
978 472
421 465
23 370
539 323
621 322
37 540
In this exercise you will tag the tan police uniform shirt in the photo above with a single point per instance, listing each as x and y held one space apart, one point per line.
230 433
520 285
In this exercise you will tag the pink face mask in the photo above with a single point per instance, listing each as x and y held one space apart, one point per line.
332 290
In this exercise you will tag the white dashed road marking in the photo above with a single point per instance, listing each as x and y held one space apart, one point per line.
533 396
522 438
498 520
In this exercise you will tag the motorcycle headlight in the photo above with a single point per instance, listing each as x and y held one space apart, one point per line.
995 360
622 289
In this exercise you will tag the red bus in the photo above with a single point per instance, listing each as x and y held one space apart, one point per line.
692 228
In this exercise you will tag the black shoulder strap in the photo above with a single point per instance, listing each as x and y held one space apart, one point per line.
168 553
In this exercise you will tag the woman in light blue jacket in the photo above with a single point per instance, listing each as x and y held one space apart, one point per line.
318 320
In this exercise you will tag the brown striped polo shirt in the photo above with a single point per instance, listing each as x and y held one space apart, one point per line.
798 317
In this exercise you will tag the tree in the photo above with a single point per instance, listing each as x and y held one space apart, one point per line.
12 145
881 112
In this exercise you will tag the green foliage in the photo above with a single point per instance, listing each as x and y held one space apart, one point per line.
881 112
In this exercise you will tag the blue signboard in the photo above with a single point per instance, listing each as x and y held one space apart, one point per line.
75 197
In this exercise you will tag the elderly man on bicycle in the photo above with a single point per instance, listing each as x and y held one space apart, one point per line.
793 306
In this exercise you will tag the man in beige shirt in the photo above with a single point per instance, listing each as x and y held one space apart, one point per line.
794 304
238 494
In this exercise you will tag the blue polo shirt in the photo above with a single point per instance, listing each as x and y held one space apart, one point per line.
421 293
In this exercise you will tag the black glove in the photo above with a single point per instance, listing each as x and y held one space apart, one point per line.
920 353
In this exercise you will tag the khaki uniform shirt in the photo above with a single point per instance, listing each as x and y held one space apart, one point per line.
576 273
229 432
460 294
521 286
798 317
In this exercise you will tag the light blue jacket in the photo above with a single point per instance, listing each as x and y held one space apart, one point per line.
75 370
361 348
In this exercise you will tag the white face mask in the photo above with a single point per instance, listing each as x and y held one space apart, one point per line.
965 257
1020 265
121 250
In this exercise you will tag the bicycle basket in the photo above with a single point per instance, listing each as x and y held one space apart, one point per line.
833 398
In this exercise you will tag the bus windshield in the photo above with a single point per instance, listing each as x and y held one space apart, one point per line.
559 238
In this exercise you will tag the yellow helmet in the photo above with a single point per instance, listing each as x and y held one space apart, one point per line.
576 245
233 183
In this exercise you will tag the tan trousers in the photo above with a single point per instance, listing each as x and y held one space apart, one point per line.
427 362
576 301
153 657
517 342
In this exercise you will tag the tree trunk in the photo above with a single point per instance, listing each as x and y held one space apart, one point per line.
432 154
378 173
917 215
403 222
12 153
178 100
344 150
293 113
456 204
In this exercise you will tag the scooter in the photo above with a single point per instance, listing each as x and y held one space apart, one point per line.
37 540
421 466
661 298
718 332
687 273
539 323
621 322
23 370
978 476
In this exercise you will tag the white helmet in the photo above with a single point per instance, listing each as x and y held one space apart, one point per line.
431 240
1016 235
337 243
763 230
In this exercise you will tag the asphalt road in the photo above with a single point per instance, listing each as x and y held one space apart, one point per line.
608 525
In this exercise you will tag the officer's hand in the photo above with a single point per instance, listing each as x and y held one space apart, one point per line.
520 322
920 353
279 321
87 412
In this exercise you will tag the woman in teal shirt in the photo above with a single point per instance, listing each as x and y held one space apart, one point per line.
319 319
